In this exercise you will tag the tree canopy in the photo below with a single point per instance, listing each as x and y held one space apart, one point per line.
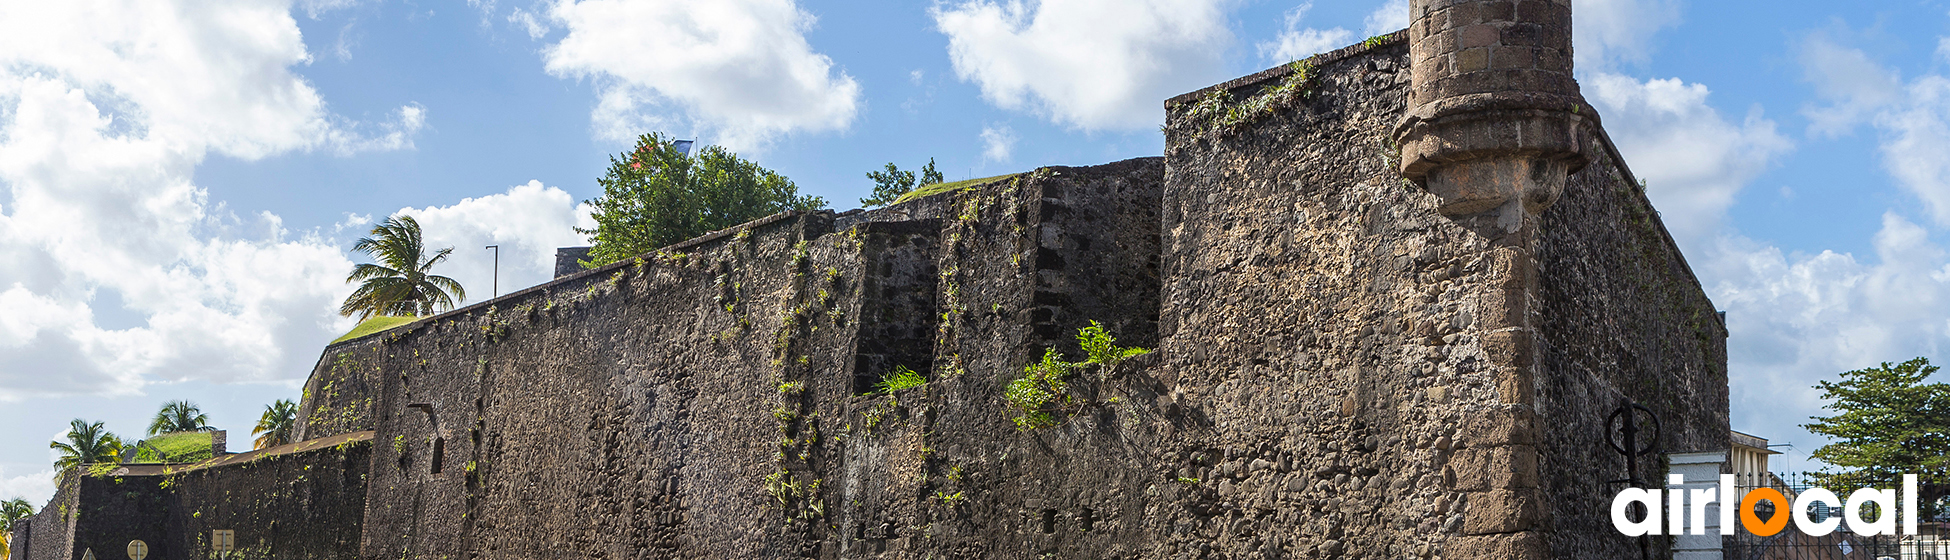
87 443
890 184
11 511
275 426
656 195
179 416
1888 423
401 282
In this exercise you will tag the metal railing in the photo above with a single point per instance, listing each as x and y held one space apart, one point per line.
1931 543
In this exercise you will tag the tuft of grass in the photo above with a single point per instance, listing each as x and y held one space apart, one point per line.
938 188
376 324
900 378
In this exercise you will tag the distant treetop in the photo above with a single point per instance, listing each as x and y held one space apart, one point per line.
657 194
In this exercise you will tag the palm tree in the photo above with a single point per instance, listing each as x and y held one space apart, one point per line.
179 416
274 428
10 511
87 443
399 283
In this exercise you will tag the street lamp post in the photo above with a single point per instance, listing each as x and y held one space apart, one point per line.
497 269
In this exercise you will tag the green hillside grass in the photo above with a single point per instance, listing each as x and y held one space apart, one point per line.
938 188
373 325
180 447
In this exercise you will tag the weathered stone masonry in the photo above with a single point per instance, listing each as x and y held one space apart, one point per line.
1394 291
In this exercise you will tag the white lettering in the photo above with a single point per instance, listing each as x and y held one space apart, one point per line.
1806 502
1885 502
1649 499
1727 504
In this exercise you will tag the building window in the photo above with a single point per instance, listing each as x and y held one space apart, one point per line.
223 540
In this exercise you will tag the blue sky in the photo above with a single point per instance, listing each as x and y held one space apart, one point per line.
179 180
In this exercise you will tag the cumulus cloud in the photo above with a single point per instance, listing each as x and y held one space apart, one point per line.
36 487
1853 84
998 143
1694 160
1392 16
1795 319
1298 41
1911 117
529 222
534 26
1607 32
740 70
1088 64
106 109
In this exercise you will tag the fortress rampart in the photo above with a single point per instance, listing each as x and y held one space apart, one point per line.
1352 359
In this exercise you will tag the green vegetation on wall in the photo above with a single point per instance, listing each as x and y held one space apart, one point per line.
1041 396
181 447
376 324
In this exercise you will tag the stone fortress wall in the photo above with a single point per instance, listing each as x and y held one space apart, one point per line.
1391 312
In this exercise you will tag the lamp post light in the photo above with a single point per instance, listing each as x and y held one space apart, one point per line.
497 270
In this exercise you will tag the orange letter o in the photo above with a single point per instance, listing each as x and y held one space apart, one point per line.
1774 524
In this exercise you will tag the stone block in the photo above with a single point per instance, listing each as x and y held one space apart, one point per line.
1516 385
1501 511
1511 425
1509 348
1490 468
1496 12
1472 60
1522 34
1479 35
1538 11
1502 306
1463 14
1527 545
1513 57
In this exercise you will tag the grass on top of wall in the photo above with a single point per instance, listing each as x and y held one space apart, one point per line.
938 188
179 447
373 325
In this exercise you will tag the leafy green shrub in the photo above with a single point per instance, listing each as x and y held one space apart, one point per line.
1042 392
1039 391
1102 348
900 378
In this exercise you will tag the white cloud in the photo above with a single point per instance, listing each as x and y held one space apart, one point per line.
1297 42
1916 144
1693 160
529 222
737 69
998 142
106 109
1795 319
534 26
1854 84
1392 16
1089 64
1912 117
35 487
1606 32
